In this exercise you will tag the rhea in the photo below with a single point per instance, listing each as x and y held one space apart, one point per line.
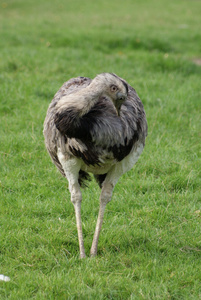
94 126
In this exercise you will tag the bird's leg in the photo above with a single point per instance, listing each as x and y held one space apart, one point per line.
76 198
71 168
108 185
105 197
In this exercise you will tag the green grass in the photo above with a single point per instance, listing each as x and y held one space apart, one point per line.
150 245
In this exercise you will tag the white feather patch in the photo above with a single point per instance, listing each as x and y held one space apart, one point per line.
4 278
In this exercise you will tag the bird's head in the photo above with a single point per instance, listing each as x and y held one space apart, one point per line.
112 86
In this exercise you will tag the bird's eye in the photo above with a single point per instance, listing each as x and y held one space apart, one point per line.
113 88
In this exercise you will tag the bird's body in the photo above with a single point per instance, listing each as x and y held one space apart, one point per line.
96 126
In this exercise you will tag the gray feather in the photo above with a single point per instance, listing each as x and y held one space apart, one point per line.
82 121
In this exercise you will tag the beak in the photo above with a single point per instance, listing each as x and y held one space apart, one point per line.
117 107
120 100
121 97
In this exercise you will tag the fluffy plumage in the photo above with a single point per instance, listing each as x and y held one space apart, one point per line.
96 126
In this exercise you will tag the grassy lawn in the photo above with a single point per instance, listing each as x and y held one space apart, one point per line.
150 244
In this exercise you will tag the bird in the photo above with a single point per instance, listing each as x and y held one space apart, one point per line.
94 126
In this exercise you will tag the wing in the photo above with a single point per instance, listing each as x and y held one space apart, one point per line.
97 135
53 137
101 131
117 134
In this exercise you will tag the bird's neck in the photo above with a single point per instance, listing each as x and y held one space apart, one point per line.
82 101
87 99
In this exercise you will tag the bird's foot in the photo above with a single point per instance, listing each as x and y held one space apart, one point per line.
93 255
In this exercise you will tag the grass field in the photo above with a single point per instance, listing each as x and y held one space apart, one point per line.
150 244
